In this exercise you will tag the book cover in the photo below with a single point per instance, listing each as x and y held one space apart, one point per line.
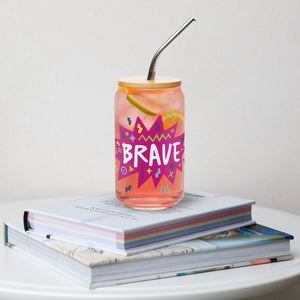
102 221
251 245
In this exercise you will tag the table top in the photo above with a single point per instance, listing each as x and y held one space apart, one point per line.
24 278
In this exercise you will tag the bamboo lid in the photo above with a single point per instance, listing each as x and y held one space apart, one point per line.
141 82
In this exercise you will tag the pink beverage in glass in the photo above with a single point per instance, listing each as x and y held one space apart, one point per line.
149 142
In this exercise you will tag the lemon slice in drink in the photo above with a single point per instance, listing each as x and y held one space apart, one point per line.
137 101
172 117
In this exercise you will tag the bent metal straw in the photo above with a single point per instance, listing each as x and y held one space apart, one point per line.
152 68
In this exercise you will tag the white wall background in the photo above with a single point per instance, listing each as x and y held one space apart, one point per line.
240 65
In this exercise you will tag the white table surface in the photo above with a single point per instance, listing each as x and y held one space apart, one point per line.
24 278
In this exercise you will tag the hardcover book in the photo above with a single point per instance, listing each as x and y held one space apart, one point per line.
247 246
102 222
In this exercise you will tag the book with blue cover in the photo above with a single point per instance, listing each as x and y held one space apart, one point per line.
246 246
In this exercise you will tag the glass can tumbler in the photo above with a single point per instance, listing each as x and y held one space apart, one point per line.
149 142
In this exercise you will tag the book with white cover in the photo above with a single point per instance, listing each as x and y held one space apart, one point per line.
103 222
247 246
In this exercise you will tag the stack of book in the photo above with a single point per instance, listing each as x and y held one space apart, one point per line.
97 241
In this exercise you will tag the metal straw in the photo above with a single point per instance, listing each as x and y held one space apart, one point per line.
151 72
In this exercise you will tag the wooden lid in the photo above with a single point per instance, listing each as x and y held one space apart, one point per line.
141 82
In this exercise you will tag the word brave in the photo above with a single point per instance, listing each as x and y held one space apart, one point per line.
159 155
149 153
